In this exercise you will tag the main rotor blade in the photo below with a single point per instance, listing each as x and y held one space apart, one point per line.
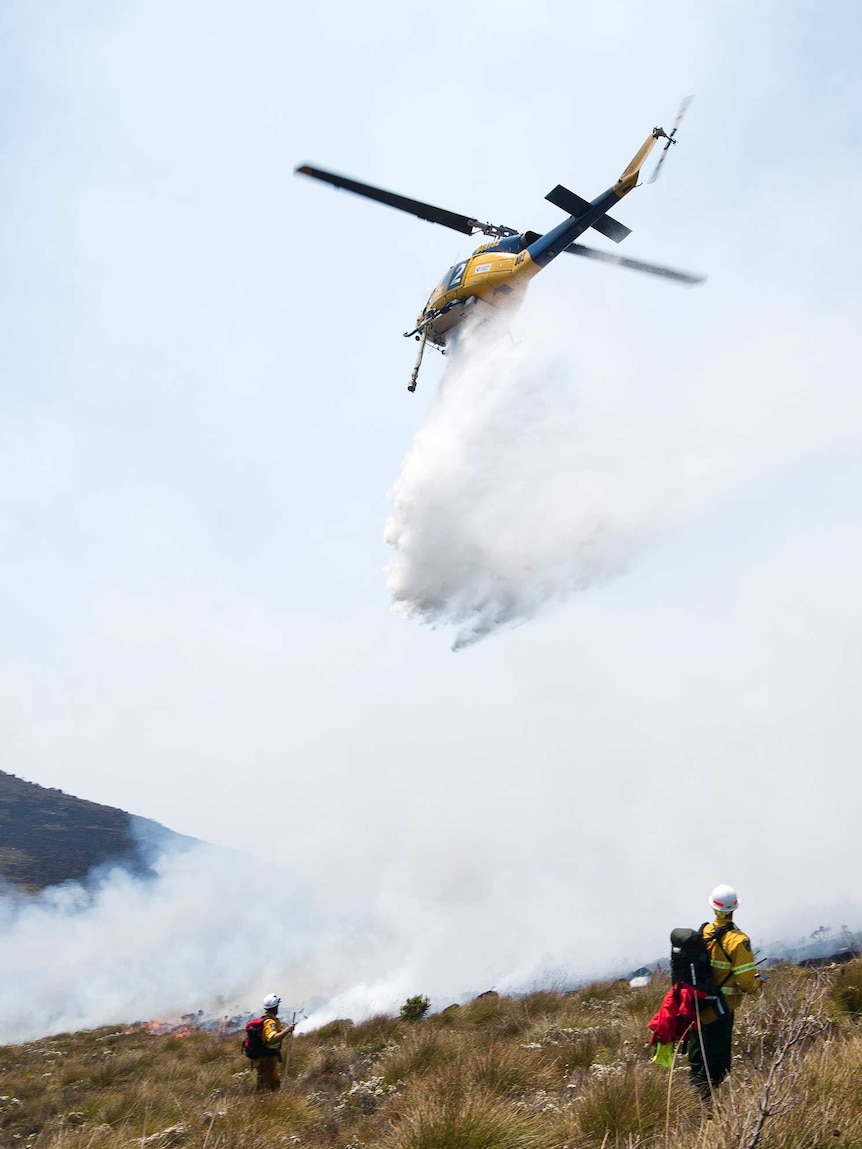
636 264
463 223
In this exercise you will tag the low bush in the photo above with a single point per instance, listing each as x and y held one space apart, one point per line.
415 1008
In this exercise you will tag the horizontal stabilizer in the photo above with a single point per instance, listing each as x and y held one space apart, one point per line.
570 203
574 205
612 229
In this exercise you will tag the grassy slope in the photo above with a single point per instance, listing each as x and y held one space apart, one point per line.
542 1072
48 837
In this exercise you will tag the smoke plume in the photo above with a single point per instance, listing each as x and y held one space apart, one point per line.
526 483
120 947
212 931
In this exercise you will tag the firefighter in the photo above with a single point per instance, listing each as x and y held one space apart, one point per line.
735 971
268 1068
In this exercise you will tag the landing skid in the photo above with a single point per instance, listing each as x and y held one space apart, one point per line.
414 378
423 334
455 315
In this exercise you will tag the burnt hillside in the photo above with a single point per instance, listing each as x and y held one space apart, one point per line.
47 837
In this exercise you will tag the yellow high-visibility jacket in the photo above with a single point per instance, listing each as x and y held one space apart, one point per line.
271 1026
732 964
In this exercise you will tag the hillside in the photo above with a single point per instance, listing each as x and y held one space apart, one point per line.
545 1071
48 837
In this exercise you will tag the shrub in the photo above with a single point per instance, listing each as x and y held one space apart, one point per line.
415 1008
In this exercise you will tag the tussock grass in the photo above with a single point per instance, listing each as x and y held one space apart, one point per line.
327 1068
508 1069
545 1071
338 1030
494 1014
847 991
464 1119
376 1032
628 1102
422 1049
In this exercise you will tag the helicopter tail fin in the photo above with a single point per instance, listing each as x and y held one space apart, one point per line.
573 204
629 178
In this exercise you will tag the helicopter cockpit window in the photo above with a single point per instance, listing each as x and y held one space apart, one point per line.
512 243
457 275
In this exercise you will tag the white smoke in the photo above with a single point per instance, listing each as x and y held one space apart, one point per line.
529 480
213 931
541 471
195 935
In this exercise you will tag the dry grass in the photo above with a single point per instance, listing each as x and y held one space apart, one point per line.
462 1119
422 1049
546 1071
846 993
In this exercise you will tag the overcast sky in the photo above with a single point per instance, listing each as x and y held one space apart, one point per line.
204 414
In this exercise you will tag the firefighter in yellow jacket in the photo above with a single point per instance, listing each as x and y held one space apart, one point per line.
735 972
268 1069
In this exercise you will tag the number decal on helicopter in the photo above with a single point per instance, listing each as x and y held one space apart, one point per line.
457 275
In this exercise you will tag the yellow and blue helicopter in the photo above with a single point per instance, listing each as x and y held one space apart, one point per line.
497 273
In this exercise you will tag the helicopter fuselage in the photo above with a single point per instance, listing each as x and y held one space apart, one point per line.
497 273
490 276
496 276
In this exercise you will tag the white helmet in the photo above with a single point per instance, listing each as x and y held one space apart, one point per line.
271 1001
723 899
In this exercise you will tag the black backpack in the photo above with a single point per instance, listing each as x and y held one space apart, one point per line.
690 962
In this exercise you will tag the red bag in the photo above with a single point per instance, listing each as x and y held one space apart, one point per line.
253 1044
676 1014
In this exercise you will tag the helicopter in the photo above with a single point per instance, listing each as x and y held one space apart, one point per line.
496 275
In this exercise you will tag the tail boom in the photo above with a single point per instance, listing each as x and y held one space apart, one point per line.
593 214
629 178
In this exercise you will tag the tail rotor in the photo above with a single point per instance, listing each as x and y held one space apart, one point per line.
660 133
